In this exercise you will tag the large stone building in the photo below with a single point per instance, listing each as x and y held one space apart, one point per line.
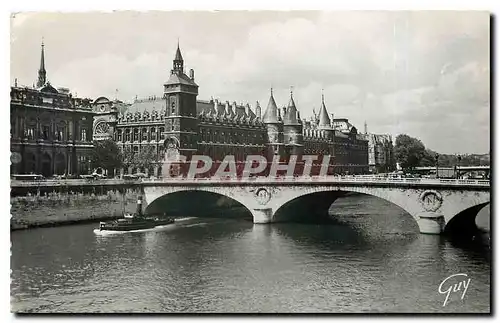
177 123
380 152
51 131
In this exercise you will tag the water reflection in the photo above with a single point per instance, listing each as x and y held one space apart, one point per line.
372 259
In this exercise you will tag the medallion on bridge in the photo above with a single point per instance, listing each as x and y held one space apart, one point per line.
431 200
262 195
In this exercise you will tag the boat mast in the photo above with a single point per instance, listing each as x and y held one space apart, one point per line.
139 205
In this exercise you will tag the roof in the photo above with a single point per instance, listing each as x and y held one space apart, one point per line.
271 114
178 55
149 105
180 79
48 88
324 119
290 117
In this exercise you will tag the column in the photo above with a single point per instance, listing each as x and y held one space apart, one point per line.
431 223
262 216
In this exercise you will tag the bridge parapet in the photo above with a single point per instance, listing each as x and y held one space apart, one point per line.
324 179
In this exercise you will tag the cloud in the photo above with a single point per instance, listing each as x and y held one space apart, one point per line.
421 73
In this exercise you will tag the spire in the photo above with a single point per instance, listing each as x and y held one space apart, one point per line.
290 118
42 74
178 61
271 114
366 128
324 119
178 55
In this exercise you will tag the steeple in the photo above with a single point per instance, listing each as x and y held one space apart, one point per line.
271 114
42 74
178 61
366 128
324 119
291 112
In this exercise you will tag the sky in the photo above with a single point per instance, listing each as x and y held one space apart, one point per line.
421 73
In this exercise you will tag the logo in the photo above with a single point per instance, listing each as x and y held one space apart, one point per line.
263 196
457 283
431 200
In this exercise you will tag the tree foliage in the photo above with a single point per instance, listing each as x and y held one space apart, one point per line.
106 154
143 159
409 151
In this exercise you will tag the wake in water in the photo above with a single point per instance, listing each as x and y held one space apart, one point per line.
185 219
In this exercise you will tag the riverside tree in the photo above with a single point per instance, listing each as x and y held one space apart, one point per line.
409 151
106 154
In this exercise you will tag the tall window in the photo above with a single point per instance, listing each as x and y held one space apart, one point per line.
172 105
153 133
136 134
119 135
84 135
45 132
144 134
162 130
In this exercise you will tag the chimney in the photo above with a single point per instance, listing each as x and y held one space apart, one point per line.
191 74
248 110
235 108
216 106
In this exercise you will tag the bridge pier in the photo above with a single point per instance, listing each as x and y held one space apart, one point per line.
431 223
262 216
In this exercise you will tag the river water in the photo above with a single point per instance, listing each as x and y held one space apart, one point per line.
372 260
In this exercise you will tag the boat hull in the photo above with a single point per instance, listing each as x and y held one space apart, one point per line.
134 225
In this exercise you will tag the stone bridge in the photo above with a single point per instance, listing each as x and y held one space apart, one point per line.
437 205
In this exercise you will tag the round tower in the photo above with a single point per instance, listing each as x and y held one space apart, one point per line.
292 128
274 127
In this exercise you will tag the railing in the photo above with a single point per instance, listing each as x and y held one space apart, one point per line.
322 179
368 179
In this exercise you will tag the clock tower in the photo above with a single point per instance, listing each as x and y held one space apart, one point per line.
181 122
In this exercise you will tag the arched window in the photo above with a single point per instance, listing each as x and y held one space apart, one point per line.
144 134
153 133
119 135
172 106
162 130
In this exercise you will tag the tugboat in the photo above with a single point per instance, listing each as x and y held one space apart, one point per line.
137 221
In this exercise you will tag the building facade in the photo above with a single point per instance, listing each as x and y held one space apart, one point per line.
380 153
51 131
178 123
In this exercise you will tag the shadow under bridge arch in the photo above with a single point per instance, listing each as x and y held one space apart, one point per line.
308 208
198 203
464 224
320 206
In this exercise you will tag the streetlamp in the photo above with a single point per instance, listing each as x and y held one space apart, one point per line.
458 171
437 163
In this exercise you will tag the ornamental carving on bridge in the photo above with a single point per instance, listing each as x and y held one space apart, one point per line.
431 200
262 195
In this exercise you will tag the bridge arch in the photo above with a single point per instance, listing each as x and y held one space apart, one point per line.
320 199
463 224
